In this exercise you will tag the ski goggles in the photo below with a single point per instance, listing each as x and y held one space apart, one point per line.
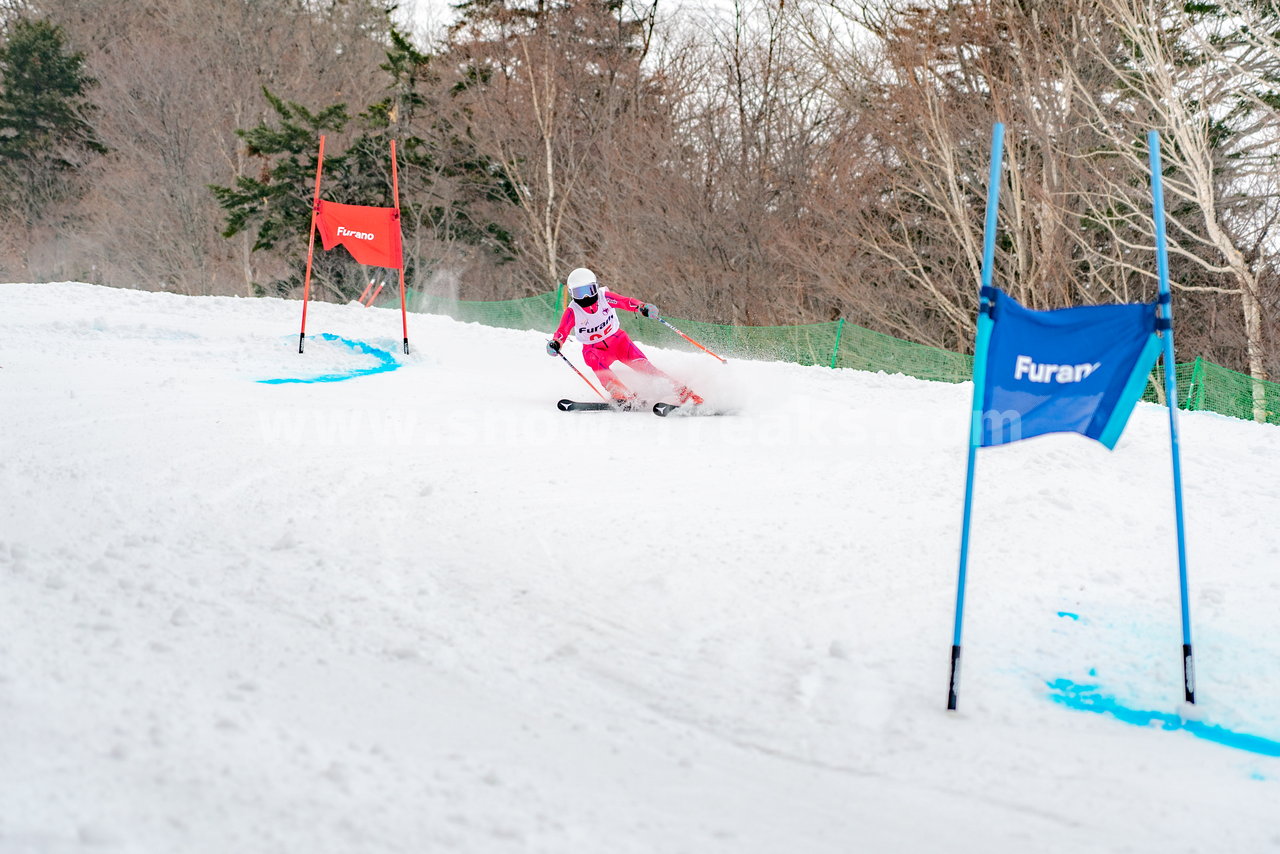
584 291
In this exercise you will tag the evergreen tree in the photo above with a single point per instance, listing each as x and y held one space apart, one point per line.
45 134
277 202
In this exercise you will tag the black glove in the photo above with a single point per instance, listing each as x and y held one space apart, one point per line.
553 347
649 310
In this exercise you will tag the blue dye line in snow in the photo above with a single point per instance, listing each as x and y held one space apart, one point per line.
1069 615
386 362
1087 698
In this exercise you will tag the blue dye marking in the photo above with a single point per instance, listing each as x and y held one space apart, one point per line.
1069 615
386 362
1257 776
1086 698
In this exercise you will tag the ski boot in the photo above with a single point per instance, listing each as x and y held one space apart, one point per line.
685 395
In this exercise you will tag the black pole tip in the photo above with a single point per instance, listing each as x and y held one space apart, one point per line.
953 689
1188 674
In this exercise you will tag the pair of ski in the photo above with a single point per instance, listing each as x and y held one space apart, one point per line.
663 409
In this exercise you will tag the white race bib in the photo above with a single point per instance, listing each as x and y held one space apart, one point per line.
594 327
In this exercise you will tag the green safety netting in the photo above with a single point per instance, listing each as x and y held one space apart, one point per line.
1202 385
1213 388
538 312
1154 392
866 350
808 344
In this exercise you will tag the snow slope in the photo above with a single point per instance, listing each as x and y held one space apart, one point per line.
421 610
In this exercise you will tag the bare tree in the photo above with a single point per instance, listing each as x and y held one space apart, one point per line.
922 86
177 78
1205 83
700 191
1077 84
544 88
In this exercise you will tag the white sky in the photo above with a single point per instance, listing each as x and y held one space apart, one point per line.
428 16
425 16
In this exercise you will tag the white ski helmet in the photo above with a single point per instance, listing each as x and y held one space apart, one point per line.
583 286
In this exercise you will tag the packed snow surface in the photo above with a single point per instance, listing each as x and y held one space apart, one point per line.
414 608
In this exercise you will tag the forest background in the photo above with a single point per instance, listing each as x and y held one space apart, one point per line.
764 162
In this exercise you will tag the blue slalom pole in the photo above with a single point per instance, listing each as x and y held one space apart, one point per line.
979 388
1171 397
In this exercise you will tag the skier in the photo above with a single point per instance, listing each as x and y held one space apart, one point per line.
594 322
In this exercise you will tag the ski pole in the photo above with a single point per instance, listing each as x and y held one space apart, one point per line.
579 373
664 322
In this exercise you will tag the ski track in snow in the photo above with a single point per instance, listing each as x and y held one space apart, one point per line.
422 610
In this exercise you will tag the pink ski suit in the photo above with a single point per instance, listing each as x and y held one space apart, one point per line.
604 341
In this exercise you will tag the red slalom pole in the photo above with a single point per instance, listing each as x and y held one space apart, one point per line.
579 373
664 322
311 246
395 185
364 293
